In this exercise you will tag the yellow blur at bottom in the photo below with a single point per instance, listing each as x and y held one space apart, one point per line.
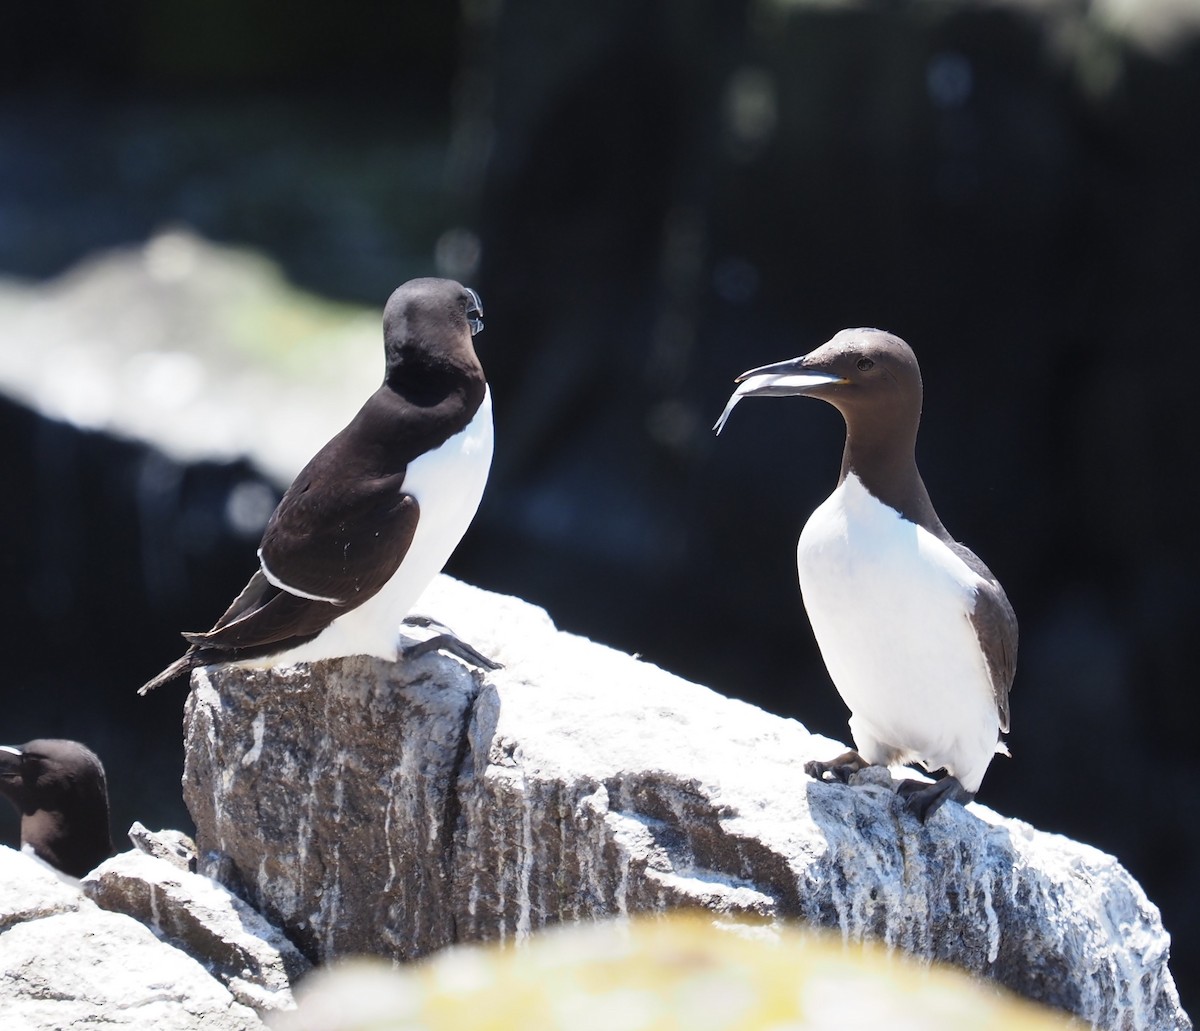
685 972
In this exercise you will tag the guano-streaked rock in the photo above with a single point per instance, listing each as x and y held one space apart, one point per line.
392 809
65 962
204 920
31 889
91 968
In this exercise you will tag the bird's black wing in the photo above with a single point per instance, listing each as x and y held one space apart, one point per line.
262 620
995 625
264 615
339 537
325 558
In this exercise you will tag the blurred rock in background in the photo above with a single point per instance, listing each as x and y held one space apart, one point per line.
650 200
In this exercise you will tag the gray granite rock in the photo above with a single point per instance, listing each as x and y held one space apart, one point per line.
88 968
204 920
138 943
173 846
31 889
334 797
391 809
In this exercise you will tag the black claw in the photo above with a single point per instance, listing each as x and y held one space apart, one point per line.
923 800
444 640
815 769
449 643
840 769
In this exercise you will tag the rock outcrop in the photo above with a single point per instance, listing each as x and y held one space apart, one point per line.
393 809
65 962
252 959
31 890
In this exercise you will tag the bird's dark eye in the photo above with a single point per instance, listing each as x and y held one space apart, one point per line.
474 311
864 364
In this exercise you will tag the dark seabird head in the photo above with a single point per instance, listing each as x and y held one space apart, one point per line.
868 375
873 379
427 329
60 790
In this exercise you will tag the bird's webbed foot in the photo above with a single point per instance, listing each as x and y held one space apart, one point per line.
444 639
923 800
839 769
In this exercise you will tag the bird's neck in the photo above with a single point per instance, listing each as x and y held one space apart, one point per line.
886 465
47 826
56 831
425 383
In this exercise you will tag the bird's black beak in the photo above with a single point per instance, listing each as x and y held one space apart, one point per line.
793 376
474 312
783 379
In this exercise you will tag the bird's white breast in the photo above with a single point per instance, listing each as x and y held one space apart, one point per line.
448 484
890 607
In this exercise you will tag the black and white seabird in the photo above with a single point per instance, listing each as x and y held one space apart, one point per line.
917 634
60 790
377 512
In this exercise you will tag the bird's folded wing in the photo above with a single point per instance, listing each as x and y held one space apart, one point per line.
326 556
262 615
996 627
339 544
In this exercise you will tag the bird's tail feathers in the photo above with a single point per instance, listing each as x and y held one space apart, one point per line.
177 668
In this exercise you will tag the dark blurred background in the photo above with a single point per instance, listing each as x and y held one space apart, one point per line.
652 198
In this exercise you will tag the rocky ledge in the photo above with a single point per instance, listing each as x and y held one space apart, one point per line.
138 943
366 807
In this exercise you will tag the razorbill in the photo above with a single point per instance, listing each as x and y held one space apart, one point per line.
60 790
375 514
